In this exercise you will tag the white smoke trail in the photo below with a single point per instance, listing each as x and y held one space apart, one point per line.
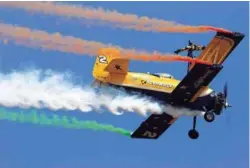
55 91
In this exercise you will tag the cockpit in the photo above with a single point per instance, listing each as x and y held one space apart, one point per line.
162 75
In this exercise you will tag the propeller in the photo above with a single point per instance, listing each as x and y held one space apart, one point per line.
225 93
225 90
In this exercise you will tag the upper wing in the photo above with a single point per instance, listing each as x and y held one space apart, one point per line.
154 126
118 65
200 75
220 47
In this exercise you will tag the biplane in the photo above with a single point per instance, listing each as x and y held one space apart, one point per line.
192 92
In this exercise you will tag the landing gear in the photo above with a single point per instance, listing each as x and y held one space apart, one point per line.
193 134
209 116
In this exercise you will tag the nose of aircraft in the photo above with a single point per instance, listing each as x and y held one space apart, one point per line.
227 105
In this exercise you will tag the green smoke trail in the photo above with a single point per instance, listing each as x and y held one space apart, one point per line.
60 121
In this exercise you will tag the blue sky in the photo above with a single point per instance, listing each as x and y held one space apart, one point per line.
223 143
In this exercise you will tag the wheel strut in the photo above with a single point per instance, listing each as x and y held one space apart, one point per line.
194 122
193 134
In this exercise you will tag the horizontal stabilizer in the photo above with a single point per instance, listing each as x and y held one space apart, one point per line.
118 65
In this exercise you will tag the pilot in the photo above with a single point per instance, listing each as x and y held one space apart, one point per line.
191 46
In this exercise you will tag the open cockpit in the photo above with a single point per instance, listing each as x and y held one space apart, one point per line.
162 75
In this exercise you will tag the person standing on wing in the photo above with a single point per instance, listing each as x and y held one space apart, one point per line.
190 47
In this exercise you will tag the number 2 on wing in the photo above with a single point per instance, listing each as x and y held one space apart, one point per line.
150 134
102 59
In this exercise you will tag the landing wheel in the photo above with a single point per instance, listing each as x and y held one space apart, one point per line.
193 134
209 116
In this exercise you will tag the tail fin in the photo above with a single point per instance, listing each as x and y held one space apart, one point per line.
109 60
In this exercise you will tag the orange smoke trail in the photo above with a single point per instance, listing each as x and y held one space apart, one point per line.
140 56
126 21
37 38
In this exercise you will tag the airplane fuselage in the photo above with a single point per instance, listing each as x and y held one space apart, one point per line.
157 87
112 68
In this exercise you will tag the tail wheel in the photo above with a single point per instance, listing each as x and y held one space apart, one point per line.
209 116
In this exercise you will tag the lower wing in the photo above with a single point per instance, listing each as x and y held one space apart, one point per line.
154 126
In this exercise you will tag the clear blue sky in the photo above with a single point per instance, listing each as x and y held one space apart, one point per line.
223 143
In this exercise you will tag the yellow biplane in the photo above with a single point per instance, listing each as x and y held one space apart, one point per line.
191 92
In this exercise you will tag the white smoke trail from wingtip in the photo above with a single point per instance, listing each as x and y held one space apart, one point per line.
56 91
